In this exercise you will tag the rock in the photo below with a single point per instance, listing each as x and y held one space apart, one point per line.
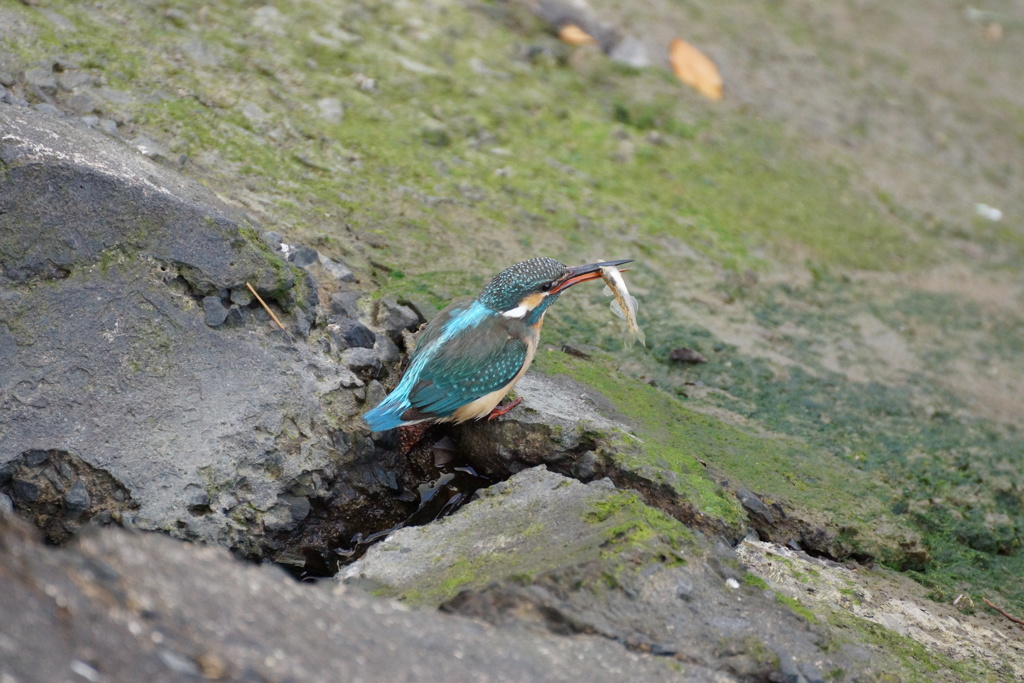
361 361
631 52
348 334
214 311
421 306
272 239
685 355
392 318
345 304
120 594
303 256
339 271
386 350
552 553
77 496
42 79
144 401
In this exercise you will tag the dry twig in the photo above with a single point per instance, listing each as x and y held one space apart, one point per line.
265 306
1019 622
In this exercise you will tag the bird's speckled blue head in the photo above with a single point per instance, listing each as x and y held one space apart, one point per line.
514 284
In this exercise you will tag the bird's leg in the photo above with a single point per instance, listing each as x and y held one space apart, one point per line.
501 410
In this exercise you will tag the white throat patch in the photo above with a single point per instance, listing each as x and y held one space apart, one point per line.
517 312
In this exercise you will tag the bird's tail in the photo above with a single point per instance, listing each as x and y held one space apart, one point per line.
383 418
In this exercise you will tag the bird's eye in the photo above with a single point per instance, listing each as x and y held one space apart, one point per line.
545 287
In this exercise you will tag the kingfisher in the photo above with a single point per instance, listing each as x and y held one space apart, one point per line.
472 353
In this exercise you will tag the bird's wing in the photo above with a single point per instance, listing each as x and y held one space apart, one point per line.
466 369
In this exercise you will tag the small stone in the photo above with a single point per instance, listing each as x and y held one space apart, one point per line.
375 393
303 256
273 240
43 79
586 467
963 602
177 663
84 103
630 51
339 271
6 505
24 491
35 458
214 310
421 306
361 360
392 318
386 350
685 355
108 126
151 148
345 304
47 108
299 507
234 318
77 497
349 334
241 296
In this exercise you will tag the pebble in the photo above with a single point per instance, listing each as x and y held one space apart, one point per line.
6 505
24 490
339 271
392 318
214 311
630 51
386 350
421 306
43 79
77 496
351 334
273 239
234 318
345 304
47 108
303 256
361 360
241 296
685 355
375 393
35 458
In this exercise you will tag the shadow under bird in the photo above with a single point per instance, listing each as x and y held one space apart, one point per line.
472 353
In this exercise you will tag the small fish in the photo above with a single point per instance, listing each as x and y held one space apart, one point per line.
624 306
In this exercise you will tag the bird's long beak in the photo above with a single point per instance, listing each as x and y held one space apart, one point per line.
577 274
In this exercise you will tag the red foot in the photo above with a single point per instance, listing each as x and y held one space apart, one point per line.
410 435
501 410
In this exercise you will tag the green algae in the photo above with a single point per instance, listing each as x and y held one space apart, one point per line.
700 450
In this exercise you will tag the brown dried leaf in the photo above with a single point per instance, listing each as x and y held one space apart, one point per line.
574 35
695 69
